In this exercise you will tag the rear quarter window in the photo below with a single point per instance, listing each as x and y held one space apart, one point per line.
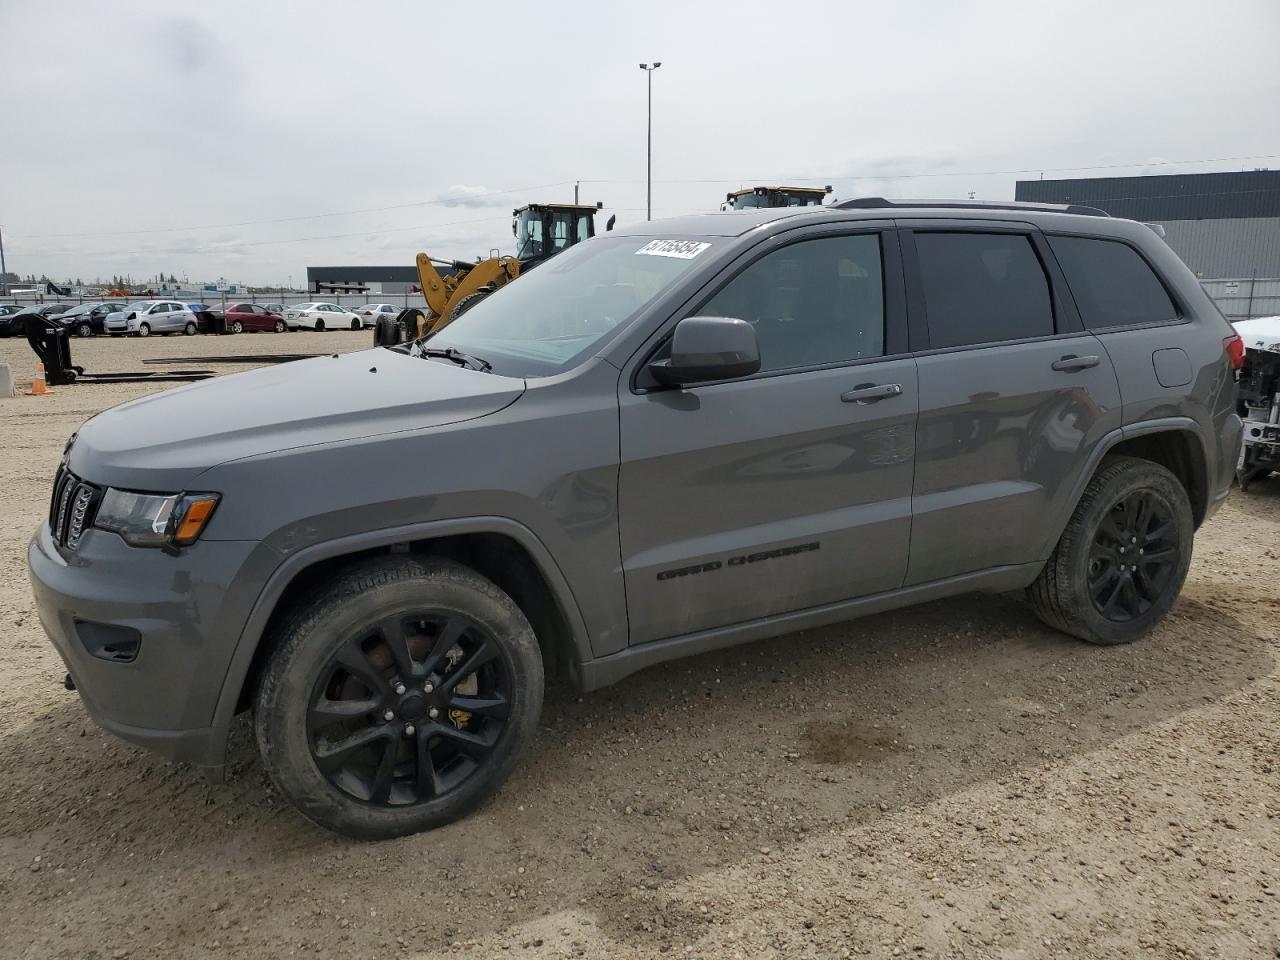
1112 284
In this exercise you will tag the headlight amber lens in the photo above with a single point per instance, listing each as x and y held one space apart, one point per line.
155 520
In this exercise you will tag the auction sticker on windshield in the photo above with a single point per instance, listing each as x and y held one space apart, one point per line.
680 249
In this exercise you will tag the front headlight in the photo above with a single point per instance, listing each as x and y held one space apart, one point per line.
155 520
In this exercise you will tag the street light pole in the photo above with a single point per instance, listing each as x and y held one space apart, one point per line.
648 69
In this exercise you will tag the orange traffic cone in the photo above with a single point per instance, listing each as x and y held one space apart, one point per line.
38 386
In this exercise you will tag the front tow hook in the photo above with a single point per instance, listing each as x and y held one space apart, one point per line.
68 683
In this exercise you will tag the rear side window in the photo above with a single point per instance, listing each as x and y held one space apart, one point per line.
982 287
1111 283
815 301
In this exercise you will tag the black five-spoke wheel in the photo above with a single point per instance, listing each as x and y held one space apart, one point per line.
406 711
1133 556
398 697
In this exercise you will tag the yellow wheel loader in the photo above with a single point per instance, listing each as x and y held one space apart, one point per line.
753 197
541 230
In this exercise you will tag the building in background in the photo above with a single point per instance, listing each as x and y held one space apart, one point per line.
372 281
1224 226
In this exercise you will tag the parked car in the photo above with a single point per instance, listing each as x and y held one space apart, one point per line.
370 312
242 317
275 308
209 319
86 319
7 311
684 435
322 316
153 316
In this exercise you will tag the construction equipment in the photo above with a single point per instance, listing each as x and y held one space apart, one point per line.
49 341
541 230
755 197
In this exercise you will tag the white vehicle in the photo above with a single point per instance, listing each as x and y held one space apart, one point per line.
322 316
370 312
152 316
1258 394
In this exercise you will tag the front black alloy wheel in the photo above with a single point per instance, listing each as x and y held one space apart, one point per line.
399 697
409 708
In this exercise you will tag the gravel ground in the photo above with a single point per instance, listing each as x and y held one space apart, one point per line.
954 780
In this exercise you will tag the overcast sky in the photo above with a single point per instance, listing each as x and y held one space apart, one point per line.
143 136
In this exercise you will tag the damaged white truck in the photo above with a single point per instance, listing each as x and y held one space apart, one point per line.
1259 399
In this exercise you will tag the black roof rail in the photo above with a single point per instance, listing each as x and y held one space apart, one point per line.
877 203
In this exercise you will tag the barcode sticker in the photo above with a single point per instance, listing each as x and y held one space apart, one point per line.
680 249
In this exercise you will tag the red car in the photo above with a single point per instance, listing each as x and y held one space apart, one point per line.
251 316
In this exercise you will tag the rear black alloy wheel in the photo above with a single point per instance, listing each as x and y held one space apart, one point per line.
1121 561
1133 557
399 698
409 708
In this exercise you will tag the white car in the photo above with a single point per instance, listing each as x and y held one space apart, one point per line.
370 312
322 316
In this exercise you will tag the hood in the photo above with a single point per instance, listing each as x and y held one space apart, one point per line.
1261 333
161 442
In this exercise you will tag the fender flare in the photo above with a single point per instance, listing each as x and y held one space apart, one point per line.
251 634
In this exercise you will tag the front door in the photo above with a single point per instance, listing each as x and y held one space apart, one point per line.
790 488
1014 396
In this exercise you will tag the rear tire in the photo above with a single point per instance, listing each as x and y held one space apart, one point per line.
396 636
237 326
190 329
1122 559
469 301
356 324
387 332
280 328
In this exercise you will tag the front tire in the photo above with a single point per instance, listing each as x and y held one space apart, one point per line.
144 329
1123 557
319 326
399 698
84 330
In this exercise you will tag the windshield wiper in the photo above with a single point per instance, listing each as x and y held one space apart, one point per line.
449 353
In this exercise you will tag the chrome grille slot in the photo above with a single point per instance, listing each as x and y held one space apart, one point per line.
71 508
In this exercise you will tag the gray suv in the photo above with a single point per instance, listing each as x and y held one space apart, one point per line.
667 440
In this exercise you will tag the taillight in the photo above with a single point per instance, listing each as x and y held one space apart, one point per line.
1233 347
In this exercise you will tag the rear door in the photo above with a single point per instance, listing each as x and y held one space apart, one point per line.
790 488
1014 396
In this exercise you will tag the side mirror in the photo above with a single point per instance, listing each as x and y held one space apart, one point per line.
612 220
708 348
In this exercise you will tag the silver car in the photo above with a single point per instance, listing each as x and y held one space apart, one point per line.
153 316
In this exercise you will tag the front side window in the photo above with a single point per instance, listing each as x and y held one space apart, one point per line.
1111 283
983 288
816 301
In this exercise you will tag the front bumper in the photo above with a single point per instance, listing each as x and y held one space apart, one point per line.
188 612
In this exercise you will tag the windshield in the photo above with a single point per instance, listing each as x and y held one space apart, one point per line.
140 305
529 240
549 318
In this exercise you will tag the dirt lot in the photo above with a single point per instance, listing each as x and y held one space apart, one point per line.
950 781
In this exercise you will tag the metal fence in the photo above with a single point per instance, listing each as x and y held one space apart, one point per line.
1245 299
224 300
1241 299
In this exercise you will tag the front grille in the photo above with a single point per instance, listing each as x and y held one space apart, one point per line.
71 508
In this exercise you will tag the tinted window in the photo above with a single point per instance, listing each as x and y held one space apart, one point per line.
982 287
1111 283
817 301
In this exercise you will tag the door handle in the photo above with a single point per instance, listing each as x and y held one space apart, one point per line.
871 392
1071 364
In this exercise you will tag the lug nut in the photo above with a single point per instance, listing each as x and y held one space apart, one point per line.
410 729
399 689
428 687
389 715
1122 549
433 713
1133 539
